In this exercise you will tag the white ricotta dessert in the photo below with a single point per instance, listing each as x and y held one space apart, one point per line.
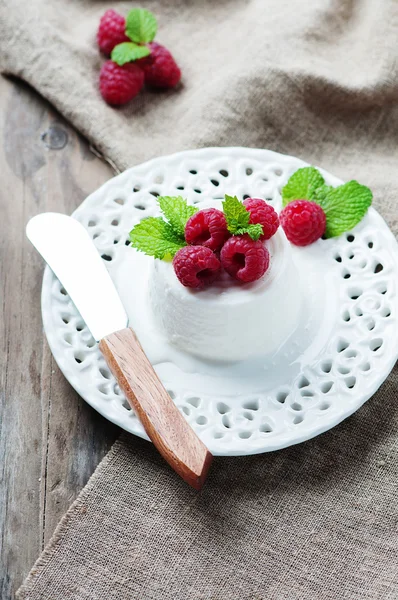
229 321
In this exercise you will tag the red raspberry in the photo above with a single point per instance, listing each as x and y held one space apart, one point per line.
196 266
304 222
208 228
111 31
119 84
160 68
245 259
264 214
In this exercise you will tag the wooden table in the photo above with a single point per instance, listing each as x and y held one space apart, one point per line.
50 439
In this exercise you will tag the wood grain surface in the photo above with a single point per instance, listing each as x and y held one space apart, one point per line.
167 428
50 439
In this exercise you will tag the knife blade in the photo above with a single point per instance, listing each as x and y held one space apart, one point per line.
69 251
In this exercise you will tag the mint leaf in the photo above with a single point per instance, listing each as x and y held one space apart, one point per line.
156 238
128 51
141 25
177 211
302 184
255 231
344 207
236 214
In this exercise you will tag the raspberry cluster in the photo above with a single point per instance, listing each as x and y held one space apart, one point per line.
211 247
119 83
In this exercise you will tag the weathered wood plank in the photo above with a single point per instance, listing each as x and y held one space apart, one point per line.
50 440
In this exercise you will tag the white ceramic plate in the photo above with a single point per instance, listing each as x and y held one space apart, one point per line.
335 360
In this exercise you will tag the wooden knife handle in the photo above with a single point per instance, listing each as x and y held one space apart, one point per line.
167 428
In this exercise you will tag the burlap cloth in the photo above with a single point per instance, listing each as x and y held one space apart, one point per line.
318 521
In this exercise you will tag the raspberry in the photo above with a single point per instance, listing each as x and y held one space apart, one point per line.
208 228
118 84
196 266
264 214
111 31
304 222
160 68
245 259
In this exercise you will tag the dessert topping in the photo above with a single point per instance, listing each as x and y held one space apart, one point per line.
303 221
263 214
208 228
344 206
196 266
245 259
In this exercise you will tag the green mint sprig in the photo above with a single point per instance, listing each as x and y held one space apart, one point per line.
237 217
128 52
163 237
344 206
141 28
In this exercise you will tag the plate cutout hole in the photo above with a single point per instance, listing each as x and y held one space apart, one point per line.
244 435
223 408
224 173
281 396
326 365
365 366
79 357
249 171
324 405
226 421
186 410
68 338
378 268
265 428
215 182
303 382
251 405
105 373
350 238
296 406
248 415
376 344
386 312
346 316
171 394
343 370
342 345
218 434
350 382
193 401
338 258
201 420
305 393
106 257
115 222
119 201
326 386
92 223
350 353
355 293
297 420
126 405
139 206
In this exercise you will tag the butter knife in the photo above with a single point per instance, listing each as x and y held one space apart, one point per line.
69 251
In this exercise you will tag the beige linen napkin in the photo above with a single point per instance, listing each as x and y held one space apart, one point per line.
317 79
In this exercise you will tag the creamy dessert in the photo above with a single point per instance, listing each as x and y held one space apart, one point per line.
229 320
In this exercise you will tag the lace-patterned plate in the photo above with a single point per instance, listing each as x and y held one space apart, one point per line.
335 360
